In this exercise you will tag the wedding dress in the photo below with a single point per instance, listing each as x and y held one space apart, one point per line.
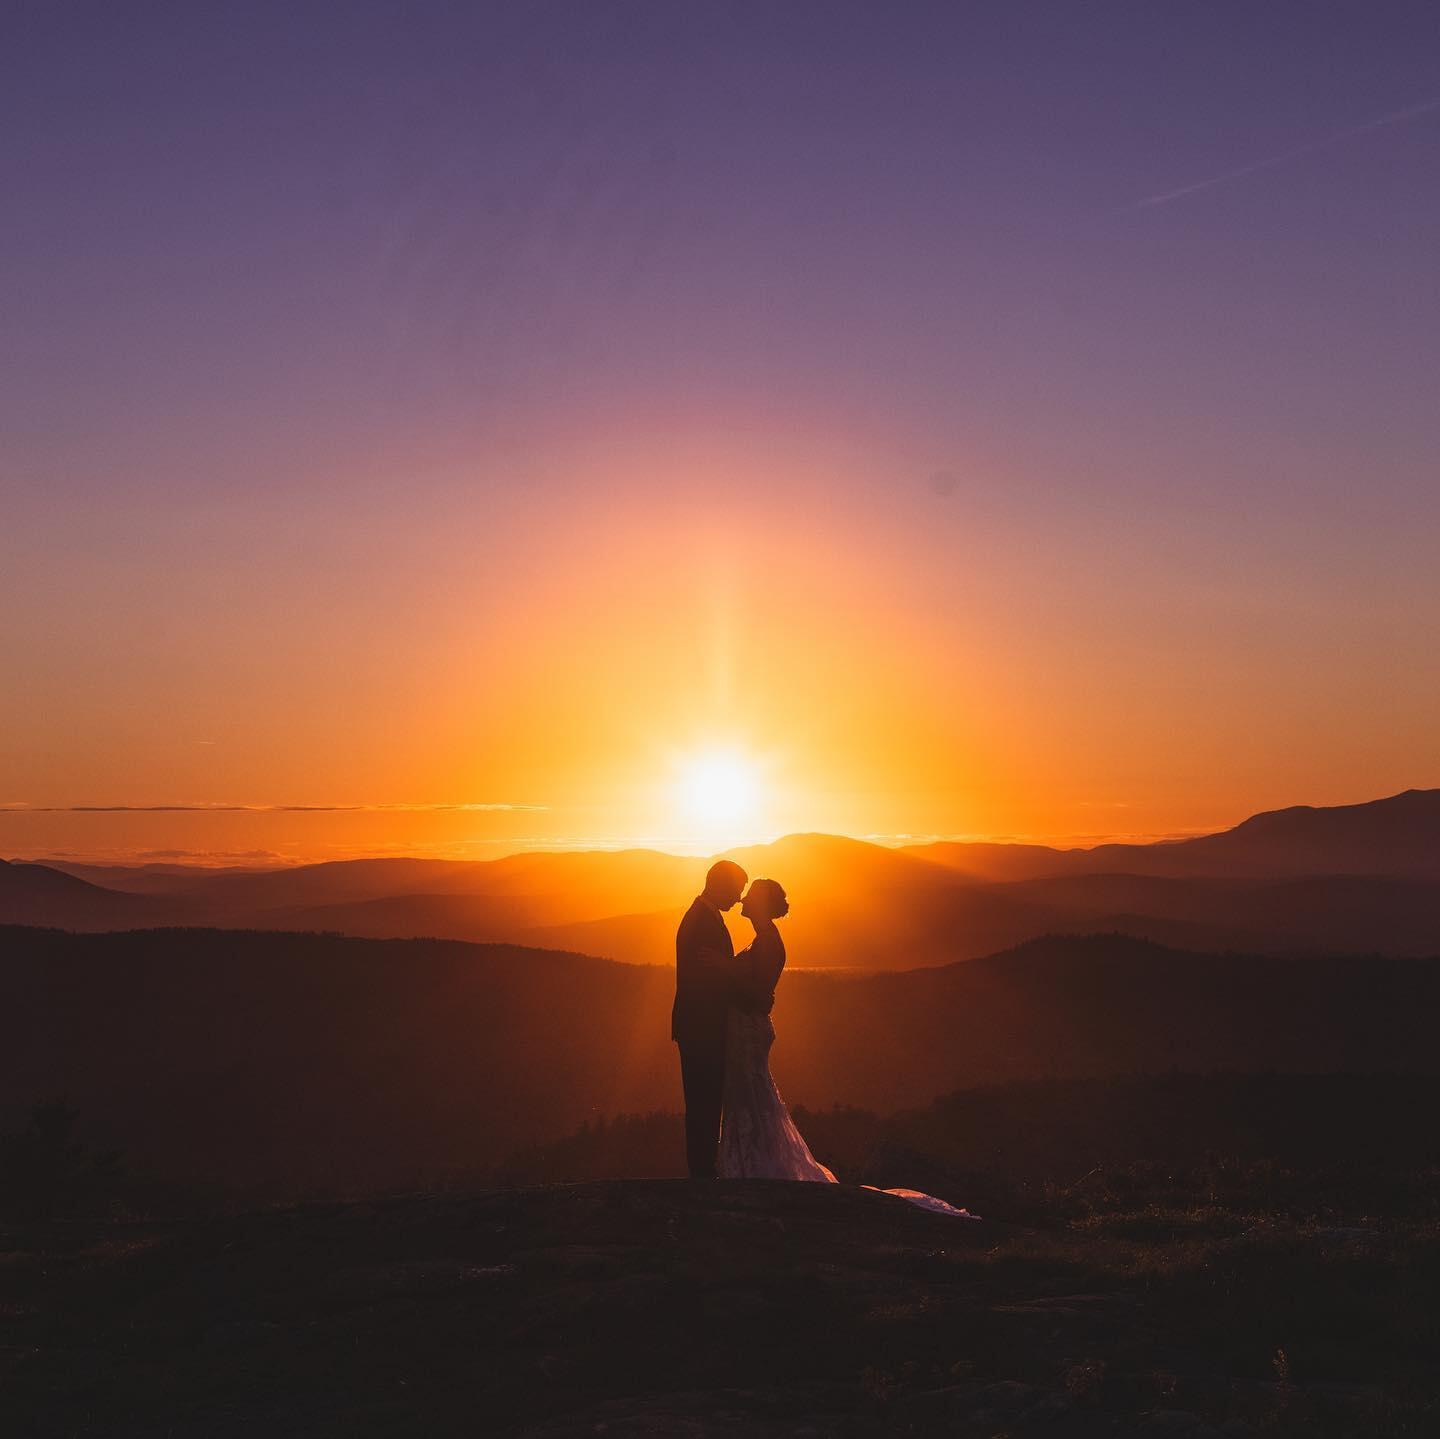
758 1138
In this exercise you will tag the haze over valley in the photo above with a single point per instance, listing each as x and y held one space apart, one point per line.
1350 879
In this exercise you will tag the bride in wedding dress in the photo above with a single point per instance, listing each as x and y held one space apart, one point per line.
758 1138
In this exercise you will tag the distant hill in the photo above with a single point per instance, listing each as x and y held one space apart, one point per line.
1318 914
1343 880
1396 837
154 877
556 887
936 923
39 894
852 906
314 1062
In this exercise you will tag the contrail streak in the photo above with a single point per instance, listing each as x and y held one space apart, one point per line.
17 807
1396 117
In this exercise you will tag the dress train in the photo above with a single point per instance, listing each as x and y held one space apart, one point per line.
758 1138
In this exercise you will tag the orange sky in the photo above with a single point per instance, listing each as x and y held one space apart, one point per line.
988 428
894 661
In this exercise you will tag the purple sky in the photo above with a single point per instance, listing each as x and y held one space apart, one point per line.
276 279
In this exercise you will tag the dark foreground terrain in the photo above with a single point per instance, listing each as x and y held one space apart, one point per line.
659 1307
289 1066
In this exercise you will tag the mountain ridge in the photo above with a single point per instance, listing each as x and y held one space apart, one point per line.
855 904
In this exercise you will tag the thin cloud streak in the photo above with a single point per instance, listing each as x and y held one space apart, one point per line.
1396 117
269 808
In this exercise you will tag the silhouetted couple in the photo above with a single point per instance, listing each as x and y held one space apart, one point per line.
736 1124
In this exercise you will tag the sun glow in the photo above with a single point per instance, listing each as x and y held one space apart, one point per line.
717 790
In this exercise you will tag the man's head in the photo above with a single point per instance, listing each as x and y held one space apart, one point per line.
725 883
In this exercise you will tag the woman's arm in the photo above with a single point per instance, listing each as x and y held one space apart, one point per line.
766 960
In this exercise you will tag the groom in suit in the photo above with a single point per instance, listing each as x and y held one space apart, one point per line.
704 958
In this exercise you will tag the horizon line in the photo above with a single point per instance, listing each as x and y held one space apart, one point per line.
584 844
463 851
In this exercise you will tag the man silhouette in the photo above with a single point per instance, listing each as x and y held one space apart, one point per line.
704 961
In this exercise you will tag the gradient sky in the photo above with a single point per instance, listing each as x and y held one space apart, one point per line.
435 405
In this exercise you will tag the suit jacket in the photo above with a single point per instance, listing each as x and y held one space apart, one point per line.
702 986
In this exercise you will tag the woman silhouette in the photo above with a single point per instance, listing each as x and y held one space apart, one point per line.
758 1138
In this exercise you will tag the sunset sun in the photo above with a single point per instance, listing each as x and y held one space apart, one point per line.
717 789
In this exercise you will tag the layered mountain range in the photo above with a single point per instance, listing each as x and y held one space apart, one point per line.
321 1062
1348 879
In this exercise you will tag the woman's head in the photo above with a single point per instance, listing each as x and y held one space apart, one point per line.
765 900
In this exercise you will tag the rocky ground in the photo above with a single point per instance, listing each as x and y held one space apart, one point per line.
667 1308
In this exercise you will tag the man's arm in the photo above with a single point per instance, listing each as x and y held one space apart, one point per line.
711 956
722 967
